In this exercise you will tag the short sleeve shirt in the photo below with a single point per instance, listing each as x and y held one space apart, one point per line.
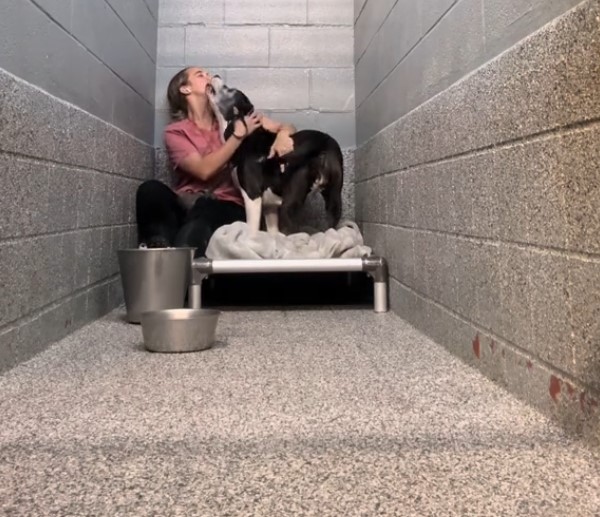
183 138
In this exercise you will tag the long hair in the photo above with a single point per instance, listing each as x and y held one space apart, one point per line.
177 100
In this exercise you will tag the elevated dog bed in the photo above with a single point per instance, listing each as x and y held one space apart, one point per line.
233 250
234 241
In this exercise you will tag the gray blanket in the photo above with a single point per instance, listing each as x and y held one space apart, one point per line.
234 242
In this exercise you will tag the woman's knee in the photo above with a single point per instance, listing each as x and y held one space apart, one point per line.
151 189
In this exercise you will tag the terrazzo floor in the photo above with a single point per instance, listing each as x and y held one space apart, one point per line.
308 412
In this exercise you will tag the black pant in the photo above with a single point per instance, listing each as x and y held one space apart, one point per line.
162 219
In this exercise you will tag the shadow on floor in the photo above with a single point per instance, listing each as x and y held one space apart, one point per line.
305 290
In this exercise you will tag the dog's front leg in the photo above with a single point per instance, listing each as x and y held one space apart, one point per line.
272 219
253 212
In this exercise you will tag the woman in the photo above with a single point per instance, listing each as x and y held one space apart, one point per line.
204 197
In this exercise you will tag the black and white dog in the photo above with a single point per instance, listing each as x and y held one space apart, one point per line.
278 186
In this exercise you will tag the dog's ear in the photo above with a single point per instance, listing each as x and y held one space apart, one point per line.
243 104
230 113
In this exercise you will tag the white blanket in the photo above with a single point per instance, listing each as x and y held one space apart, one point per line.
233 241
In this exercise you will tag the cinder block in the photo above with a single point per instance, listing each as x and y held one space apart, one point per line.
98 301
12 278
400 254
32 122
441 263
421 248
551 330
456 335
403 213
171 46
427 268
227 47
78 76
430 12
62 197
305 119
358 7
332 89
24 199
348 196
115 294
130 157
99 255
409 305
409 194
266 12
58 11
153 7
185 12
273 88
391 100
311 47
584 297
446 206
50 325
578 154
372 200
512 181
331 12
92 22
509 21
161 119
387 197
470 274
124 200
483 109
368 23
397 36
63 67
163 76
437 61
8 357
513 315
424 197
140 21
340 126
128 102
35 272
83 252
374 237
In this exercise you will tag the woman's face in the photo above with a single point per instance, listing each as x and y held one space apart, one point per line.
198 81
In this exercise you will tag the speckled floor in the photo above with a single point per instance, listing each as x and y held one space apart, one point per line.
295 413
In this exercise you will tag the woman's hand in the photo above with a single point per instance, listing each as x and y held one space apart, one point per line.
282 145
252 123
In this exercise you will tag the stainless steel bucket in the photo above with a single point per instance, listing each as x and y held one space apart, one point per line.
154 279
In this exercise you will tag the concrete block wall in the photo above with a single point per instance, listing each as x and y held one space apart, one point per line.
293 59
76 130
483 192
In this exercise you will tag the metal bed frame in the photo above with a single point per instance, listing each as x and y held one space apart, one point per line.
374 266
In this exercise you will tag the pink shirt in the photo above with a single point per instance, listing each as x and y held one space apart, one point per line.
183 138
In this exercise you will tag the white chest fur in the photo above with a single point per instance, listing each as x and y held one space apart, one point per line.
271 199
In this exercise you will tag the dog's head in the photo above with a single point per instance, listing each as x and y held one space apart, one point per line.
231 103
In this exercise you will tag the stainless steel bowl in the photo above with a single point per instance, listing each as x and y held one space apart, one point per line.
179 330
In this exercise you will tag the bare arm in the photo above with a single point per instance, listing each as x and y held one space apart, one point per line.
276 127
205 167
283 142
